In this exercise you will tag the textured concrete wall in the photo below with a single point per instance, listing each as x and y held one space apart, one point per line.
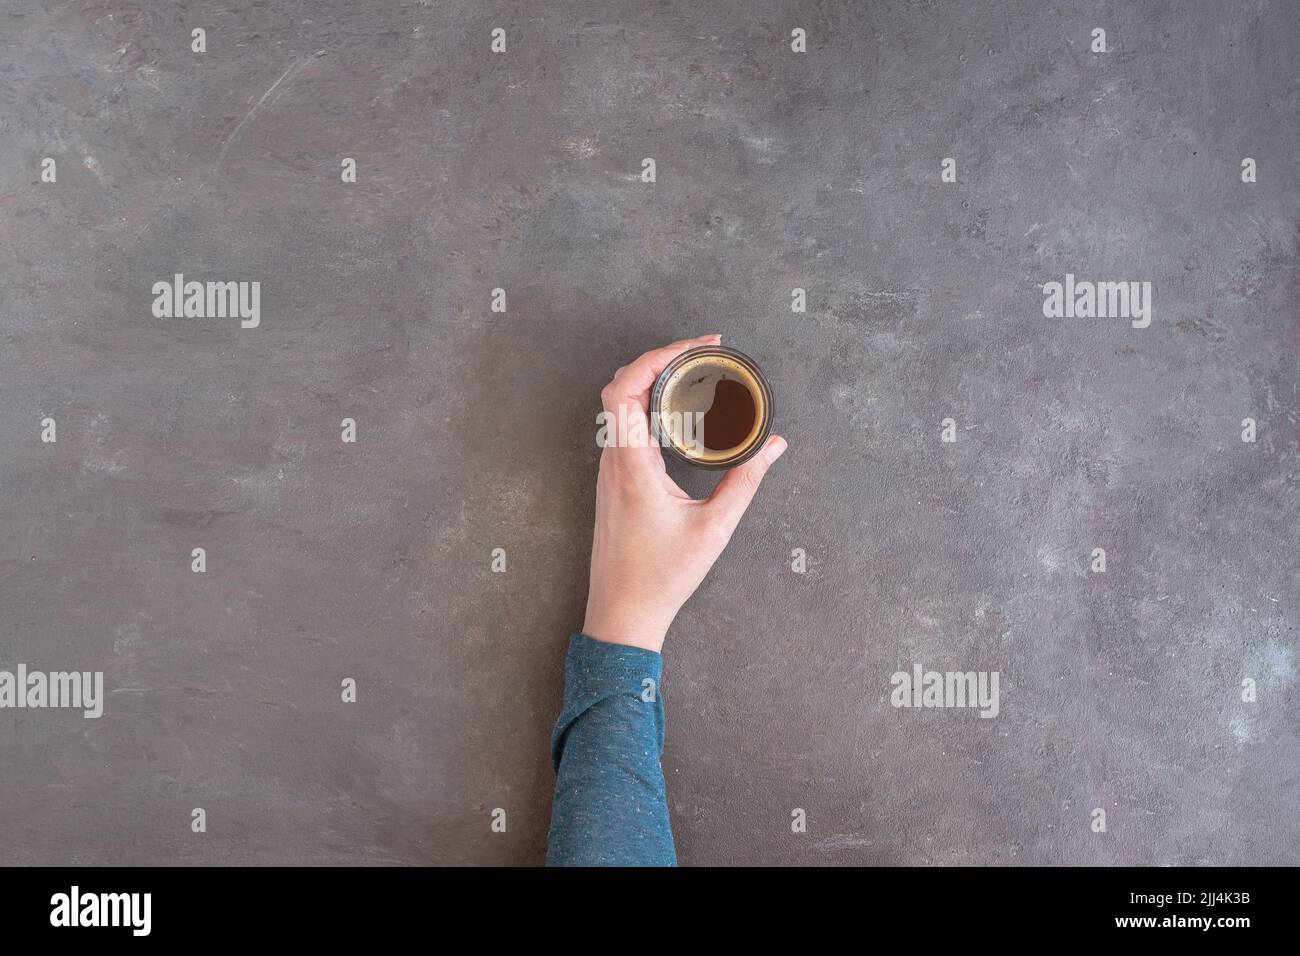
775 170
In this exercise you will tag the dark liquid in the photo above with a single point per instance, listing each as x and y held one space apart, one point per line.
731 418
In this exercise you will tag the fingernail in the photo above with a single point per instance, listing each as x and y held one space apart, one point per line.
776 447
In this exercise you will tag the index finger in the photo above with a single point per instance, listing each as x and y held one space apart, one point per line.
633 381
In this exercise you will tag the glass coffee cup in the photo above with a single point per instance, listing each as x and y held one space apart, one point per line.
712 407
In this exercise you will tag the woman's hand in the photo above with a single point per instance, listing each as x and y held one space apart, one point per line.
653 543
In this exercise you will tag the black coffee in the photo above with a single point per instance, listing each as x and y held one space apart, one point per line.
730 419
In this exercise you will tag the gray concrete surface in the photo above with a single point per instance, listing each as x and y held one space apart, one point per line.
775 170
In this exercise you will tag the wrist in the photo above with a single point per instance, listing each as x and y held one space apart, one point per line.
629 630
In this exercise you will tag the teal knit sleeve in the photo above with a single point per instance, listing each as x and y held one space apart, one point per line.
611 806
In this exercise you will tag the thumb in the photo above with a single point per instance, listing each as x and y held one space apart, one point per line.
737 488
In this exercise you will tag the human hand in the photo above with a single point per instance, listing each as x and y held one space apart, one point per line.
654 543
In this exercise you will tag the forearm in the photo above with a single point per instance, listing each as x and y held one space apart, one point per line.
611 806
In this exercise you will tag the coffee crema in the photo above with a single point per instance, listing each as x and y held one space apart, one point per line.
713 406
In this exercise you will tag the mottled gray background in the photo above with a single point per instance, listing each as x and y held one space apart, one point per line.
775 170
